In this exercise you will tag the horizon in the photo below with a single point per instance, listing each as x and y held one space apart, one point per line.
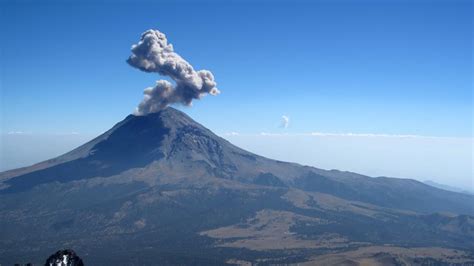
367 75
393 154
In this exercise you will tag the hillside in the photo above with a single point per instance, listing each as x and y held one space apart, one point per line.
163 188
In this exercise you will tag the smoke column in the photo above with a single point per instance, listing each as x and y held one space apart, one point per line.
154 54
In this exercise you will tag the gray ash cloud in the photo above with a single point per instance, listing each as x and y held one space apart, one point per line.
154 54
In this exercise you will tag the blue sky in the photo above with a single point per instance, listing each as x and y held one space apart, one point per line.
392 67
381 67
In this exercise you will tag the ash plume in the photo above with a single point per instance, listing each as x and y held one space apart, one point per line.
154 54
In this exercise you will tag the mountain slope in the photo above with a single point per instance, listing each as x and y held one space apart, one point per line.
163 186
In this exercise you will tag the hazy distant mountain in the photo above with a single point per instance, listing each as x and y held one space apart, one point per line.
163 189
449 188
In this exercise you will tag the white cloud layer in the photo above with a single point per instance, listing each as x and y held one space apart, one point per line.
231 133
362 135
16 133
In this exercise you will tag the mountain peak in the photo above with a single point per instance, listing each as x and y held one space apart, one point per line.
169 147
135 142
169 117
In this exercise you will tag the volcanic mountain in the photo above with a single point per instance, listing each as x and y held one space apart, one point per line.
163 189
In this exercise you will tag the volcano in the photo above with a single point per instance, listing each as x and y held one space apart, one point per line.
162 189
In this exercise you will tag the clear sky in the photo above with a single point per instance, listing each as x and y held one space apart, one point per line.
379 67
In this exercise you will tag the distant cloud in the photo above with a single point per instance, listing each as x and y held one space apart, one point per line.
285 121
273 134
67 133
18 133
231 134
43 133
154 54
359 135
366 135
